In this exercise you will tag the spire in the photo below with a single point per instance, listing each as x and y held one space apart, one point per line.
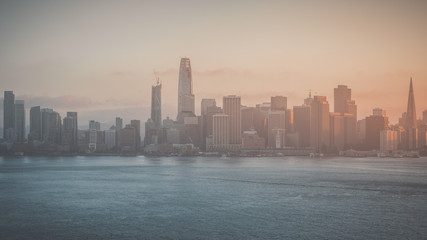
411 116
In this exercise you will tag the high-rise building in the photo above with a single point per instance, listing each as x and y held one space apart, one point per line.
308 100
341 95
302 124
35 124
67 130
150 133
350 130
221 131
94 125
185 89
425 116
51 126
207 102
261 119
276 129
231 105
351 108
290 121
251 140
411 120
156 105
248 118
208 123
8 115
74 128
337 129
119 123
119 126
192 131
19 121
128 139
388 140
137 125
379 112
279 103
208 109
319 124
374 125
110 138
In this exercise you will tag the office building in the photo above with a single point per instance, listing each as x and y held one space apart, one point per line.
136 124
110 138
94 125
8 115
374 125
388 140
231 105
221 131
276 129
319 123
207 102
302 124
35 124
19 121
128 139
279 103
342 94
51 126
185 89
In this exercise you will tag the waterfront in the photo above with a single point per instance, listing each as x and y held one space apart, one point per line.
212 198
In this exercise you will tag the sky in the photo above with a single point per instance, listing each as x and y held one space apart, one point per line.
97 56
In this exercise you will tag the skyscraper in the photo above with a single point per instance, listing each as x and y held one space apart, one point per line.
19 121
425 116
276 129
319 124
341 95
374 125
119 126
207 102
51 126
35 124
8 115
185 89
279 103
221 131
74 138
137 125
205 117
302 124
411 120
231 105
156 104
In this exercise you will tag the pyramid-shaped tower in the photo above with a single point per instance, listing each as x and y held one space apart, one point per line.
411 120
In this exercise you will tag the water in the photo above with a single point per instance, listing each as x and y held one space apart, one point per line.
212 198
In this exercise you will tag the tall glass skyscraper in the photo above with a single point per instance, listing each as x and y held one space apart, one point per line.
185 89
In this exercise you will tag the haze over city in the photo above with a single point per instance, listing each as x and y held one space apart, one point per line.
97 57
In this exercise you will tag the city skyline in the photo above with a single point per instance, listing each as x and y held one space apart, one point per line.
93 65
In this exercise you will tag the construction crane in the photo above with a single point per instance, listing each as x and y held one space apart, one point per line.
156 78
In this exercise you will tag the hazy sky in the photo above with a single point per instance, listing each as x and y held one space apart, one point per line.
96 57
